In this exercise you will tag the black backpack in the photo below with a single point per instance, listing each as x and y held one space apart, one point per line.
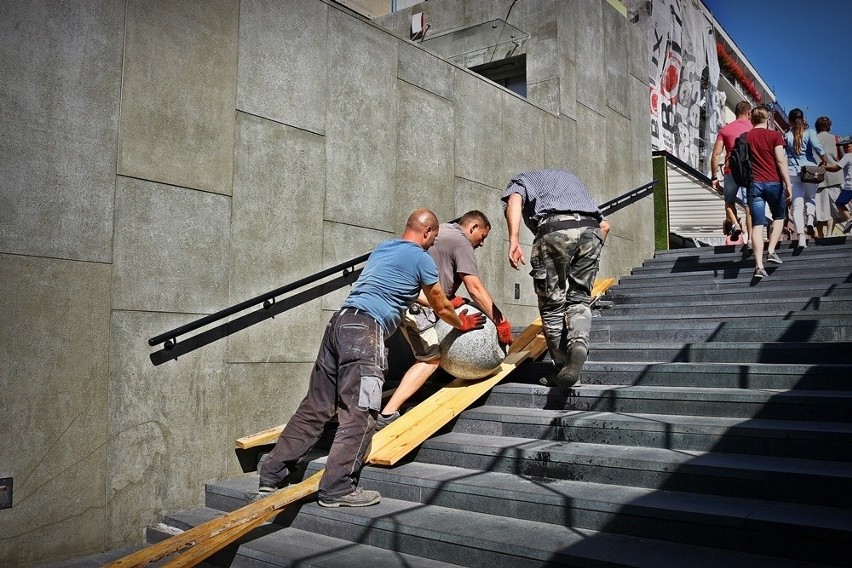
739 162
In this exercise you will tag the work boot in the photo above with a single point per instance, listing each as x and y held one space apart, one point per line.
358 498
569 374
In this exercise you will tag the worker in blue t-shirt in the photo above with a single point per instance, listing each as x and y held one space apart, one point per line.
350 369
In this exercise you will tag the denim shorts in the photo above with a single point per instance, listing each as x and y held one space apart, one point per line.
763 193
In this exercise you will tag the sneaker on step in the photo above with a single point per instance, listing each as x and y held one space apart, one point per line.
736 231
847 226
774 258
803 242
385 420
265 489
760 273
358 498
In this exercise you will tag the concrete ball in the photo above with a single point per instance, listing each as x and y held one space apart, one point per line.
471 355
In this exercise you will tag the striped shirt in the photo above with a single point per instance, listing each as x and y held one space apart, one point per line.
545 192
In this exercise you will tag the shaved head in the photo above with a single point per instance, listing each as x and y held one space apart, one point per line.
421 220
421 228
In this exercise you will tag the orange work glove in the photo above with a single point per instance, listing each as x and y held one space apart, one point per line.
458 301
504 332
469 323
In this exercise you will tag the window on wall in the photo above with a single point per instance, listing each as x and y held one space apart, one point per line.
510 73
495 49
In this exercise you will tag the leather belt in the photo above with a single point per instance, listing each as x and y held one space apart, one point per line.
562 224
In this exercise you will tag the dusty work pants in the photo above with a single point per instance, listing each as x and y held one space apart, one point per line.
564 266
347 378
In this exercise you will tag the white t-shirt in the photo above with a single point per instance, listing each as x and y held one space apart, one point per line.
846 163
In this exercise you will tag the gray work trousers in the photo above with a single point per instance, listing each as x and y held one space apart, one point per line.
564 266
347 377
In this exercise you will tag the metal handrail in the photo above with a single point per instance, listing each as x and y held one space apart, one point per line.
348 272
628 198
266 299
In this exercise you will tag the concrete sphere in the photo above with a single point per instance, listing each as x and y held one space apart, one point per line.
472 355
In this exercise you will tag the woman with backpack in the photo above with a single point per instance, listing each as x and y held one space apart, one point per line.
803 149
770 186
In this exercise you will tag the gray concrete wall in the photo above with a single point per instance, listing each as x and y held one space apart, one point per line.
164 160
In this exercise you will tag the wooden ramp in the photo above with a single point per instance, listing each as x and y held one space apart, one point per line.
389 446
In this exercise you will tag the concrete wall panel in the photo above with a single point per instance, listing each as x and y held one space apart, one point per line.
283 60
640 131
54 351
616 42
537 19
424 70
545 95
523 136
591 148
566 41
171 248
638 62
560 143
479 130
425 159
60 77
619 173
276 234
590 53
361 124
167 426
177 107
262 395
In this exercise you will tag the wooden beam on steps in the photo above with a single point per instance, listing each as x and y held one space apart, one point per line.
270 435
389 445
254 513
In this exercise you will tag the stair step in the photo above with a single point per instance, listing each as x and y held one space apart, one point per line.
704 375
274 545
798 531
624 293
478 539
833 246
787 480
734 278
763 329
814 352
818 405
766 306
782 438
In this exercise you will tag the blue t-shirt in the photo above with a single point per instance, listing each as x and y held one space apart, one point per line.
391 281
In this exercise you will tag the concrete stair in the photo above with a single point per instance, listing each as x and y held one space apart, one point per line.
713 427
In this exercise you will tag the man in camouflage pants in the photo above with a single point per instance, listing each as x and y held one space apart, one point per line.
569 231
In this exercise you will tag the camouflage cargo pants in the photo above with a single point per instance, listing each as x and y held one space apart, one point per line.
564 266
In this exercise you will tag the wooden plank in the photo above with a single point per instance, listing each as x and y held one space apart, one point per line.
602 286
260 510
270 435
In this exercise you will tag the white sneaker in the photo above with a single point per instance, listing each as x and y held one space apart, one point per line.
803 241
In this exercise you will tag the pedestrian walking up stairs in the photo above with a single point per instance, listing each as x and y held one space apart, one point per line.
713 427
